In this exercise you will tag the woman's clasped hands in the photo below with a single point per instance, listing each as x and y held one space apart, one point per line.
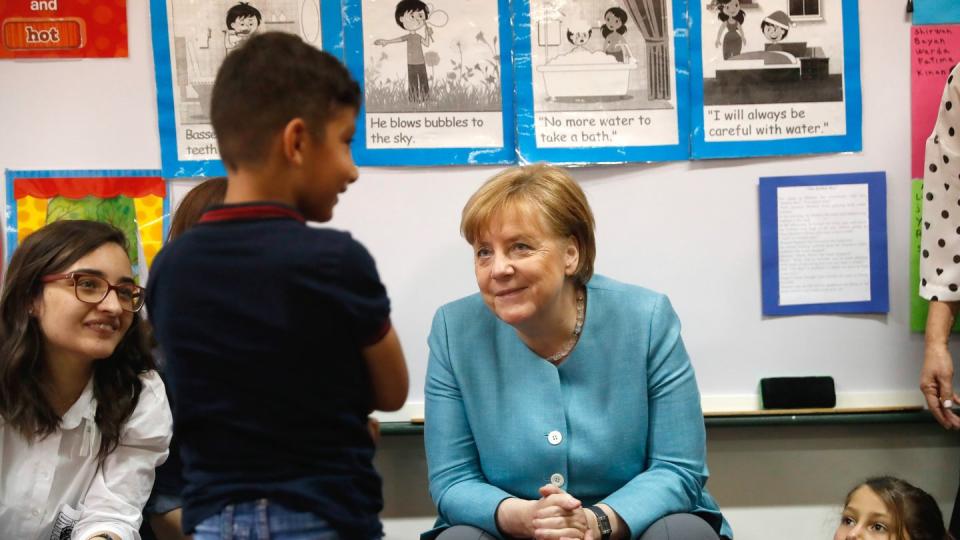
557 515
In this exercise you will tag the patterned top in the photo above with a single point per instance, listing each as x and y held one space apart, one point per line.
940 236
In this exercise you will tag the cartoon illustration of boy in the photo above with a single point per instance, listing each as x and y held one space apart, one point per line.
411 15
242 21
578 34
775 28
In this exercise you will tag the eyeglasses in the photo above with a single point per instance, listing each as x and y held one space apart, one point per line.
93 289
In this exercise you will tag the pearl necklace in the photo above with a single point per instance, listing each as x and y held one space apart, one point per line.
556 358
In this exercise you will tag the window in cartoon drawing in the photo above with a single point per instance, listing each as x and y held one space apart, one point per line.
607 60
242 21
445 64
797 64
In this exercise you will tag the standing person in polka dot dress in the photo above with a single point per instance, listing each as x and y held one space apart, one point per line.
940 259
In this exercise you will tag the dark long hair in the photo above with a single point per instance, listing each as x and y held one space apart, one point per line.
739 17
116 379
915 512
620 14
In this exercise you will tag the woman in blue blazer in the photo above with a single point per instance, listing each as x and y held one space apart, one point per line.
559 404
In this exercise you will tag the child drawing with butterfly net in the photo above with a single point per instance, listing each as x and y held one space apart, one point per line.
411 15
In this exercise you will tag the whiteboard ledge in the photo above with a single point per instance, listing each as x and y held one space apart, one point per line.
729 403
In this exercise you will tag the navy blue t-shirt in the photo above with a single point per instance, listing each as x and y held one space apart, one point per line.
261 320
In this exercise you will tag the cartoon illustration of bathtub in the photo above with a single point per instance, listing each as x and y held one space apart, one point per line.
585 75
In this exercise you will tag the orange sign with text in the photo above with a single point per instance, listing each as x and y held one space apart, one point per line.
63 29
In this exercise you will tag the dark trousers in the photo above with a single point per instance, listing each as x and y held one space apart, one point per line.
672 527
418 87
955 517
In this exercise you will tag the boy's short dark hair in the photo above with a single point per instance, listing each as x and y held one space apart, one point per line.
404 6
271 79
242 11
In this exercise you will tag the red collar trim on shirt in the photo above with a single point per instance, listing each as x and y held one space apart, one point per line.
240 212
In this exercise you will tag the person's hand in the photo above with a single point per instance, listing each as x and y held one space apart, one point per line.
717 44
373 427
559 516
428 31
936 383
379 42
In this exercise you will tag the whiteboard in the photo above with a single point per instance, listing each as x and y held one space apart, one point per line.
688 229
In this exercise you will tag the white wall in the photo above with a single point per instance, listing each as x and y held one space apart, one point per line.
689 229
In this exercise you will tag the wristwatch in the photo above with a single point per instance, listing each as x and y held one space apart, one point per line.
603 522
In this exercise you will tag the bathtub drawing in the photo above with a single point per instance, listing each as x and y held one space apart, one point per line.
586 81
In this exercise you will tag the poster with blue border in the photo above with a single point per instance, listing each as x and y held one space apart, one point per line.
823 244
775 77
437 81
132 200
601 81
190 41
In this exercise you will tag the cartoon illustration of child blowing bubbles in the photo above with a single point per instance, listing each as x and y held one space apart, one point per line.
411 15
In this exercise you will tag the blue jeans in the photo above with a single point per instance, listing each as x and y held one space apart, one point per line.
263 520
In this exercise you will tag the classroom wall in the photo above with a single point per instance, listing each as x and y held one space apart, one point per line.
688 229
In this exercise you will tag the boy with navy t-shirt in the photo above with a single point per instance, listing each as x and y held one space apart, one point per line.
276 335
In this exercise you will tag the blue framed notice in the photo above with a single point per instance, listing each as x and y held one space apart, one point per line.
770 82
936 12
437 81
190 41
824 244
601 82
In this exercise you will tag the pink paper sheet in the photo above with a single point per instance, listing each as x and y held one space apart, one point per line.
934 50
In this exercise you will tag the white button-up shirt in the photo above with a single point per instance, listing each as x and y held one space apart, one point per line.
56 484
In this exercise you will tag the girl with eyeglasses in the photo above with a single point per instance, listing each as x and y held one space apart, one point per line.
84 418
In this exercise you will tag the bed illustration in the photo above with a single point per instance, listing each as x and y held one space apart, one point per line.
778 63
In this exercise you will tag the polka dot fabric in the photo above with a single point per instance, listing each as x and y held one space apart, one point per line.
940 232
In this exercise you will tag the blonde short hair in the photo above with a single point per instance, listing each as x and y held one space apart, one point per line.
548 191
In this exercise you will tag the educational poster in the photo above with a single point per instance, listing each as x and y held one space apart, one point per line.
936 11
775 77
824 244
132 201
934 50
63 29
601 80
190 41
437 81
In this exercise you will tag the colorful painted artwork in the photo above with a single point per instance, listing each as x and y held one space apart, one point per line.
775 77
601 81
63 29
437 81
190 41
132 201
